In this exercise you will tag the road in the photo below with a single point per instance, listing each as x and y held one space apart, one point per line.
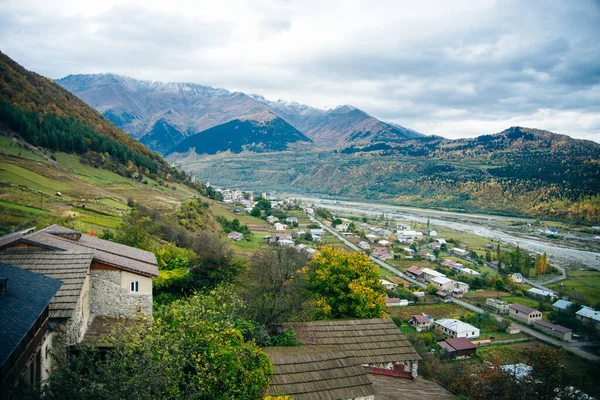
573 348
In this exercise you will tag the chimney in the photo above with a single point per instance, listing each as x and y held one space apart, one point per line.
3 285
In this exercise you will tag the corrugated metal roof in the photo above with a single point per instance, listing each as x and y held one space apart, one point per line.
553 327
522 308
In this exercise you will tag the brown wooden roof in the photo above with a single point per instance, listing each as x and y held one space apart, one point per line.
308 372
370 341
390 388
120 256
69 267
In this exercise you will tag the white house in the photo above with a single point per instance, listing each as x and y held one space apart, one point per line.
517 277
469 271
272 219
388 285
433 233
443 283
279 226
364 245
316 232
429 274
235 236
384 242
456 329
342 227
285 242
291 220
542 293
409 235
372 238
459 252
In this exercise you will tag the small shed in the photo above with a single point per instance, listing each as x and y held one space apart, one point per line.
457 348
513 329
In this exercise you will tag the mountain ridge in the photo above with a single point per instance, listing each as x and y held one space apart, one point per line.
136 106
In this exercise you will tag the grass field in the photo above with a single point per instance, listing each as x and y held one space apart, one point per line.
25 209
582 286
522 300
435 310
15 174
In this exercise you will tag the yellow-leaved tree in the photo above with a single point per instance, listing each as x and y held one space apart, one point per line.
346 285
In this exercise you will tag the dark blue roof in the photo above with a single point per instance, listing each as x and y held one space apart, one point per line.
27 296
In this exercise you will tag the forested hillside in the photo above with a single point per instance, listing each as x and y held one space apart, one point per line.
46 115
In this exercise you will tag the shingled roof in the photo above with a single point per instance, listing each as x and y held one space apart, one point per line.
370 341
27 297
120 256
308 372
70 267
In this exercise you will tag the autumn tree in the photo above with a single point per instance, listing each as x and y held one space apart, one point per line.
276 286
346 285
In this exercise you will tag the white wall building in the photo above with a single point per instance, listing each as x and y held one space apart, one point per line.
457 329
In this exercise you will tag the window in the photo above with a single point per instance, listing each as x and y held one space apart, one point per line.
135 286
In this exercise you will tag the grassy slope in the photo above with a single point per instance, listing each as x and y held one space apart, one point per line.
97 198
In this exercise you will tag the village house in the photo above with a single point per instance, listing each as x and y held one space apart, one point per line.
456 329
372 238
562 305
444 296
513 329
272 219
388 285
364 245
235 236
589 316
342 227
469 271
458 348
542 294
382 253
375 343
311 372
279 226
416 272
421 322
554 330
409 251
384 242
102 281
516 277
443 283
409 235
292 220
429 274
459 252
317 232
402 226
395 302
285 242
524 314
433 233
458 293
427 256
25 336
499 306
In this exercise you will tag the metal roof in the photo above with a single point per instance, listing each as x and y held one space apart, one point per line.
553 327
27 296
522 308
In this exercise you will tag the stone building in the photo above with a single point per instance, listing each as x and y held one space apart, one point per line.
102 281
524 314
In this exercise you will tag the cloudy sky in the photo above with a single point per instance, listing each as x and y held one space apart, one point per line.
451 68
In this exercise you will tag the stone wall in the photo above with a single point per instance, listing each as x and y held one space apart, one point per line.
77 325
108 298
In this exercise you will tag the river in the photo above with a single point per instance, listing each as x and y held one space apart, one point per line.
558 255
